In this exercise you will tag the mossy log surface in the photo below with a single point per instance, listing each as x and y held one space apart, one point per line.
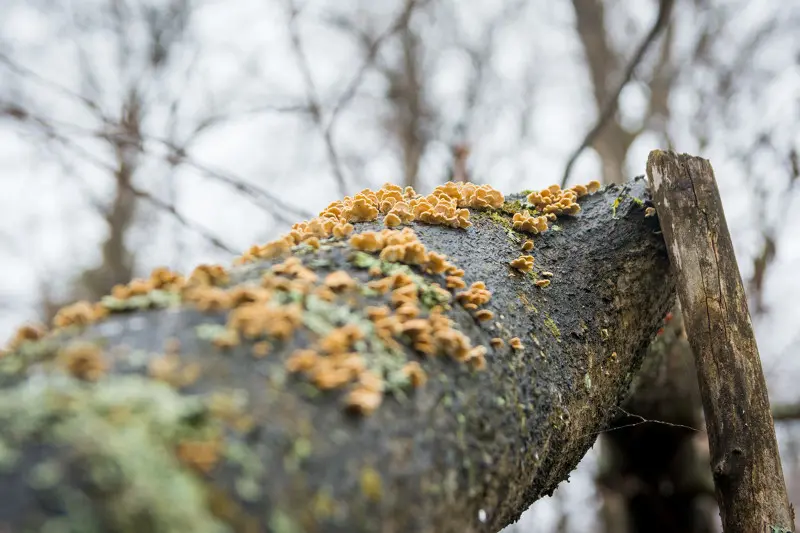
467 452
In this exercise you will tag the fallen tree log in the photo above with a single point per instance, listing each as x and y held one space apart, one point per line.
166 420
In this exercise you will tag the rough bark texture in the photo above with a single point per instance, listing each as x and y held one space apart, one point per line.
467 452
744 452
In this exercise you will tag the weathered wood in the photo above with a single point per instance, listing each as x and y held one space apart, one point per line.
745 463
467 452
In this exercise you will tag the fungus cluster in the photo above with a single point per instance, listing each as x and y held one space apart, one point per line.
529 224
550 202
338 355
523 263
403 246
475 296
200 455
557 201
169 369
79 314
83 360
446 205
28 332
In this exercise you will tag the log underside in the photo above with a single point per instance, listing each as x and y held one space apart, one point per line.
467 452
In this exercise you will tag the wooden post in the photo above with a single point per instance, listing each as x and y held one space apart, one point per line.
744 451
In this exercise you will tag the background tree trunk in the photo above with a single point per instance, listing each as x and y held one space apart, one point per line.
250 447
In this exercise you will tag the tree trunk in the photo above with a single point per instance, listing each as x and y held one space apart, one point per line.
247 446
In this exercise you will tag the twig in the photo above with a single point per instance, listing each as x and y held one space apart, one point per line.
60 89
642 420
313 100
17 112
256 193
610 107
182 220
372 51
786 412
160 204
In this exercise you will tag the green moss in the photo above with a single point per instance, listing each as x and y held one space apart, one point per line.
503 216
510 208
371 483
551 325
614 206
495 216
323 504
527 303
618 200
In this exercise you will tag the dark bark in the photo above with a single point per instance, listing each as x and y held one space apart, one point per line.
745 462
467 452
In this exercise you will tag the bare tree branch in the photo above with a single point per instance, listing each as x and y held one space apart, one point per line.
610 107
182 220
312 96
786 412
57 88
258 195
372 46
139 193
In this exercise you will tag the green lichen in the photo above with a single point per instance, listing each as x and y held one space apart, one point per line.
211 332
322 317
280 522
428 295
302 449
155 299
128 461
318 262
